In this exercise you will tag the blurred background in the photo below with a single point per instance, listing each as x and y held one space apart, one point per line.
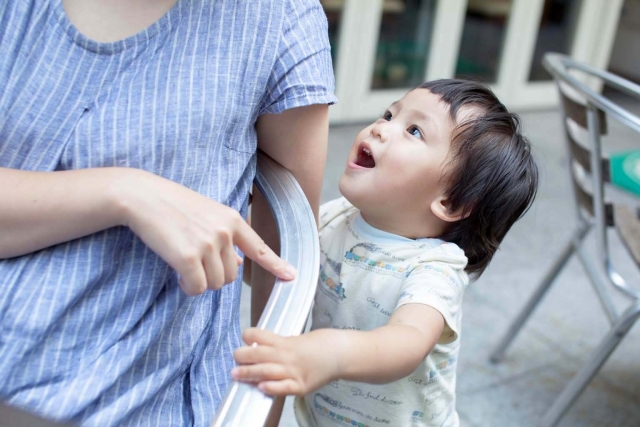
382 48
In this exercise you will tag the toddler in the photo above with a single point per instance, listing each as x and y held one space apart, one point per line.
430 190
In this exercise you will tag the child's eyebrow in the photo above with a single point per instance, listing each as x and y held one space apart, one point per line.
422 116
417 114
414 112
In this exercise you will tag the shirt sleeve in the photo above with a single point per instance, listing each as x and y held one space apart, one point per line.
333 209
438 286
302 74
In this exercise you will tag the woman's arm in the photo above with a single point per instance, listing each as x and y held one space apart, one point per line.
297 139
41 209
192 233
300 365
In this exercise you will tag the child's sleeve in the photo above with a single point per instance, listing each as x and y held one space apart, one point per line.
440 287
333 209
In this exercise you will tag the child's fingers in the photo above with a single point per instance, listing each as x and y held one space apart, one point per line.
287 387
256 354
259 336
259 372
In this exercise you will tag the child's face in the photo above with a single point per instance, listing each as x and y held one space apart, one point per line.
394 169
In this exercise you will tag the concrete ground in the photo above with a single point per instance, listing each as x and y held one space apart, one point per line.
561 333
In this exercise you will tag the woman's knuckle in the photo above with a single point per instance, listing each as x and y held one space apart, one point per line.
190 257
194 289
231 275
225 235
215 284
200 287
208 247
235 216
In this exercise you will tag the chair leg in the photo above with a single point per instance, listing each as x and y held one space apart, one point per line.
498 353
591 367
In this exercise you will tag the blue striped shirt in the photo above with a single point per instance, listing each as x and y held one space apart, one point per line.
97 330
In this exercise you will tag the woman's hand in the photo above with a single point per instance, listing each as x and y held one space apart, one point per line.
286 366
192 233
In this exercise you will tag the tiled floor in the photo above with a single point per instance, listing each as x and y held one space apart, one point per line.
568 324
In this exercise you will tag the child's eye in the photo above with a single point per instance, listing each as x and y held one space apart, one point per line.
387 116
415 131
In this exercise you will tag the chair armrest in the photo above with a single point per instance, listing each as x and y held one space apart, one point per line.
290 302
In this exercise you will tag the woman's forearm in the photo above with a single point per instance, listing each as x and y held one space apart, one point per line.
192 233
41 209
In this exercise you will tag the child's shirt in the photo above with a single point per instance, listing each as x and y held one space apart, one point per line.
365 275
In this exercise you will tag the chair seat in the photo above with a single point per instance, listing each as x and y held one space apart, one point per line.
628 226
625 170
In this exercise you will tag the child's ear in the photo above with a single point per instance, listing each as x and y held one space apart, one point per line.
440 208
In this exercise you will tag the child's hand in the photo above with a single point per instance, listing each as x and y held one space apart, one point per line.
287 366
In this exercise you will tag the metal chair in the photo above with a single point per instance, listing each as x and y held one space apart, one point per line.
591 173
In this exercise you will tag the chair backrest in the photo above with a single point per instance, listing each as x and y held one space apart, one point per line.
576 128
586 158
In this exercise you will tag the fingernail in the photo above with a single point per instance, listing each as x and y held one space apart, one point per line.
291 271
234 373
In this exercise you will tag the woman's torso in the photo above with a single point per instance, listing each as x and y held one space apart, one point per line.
97 329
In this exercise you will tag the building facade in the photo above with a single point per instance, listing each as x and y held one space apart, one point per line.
381 48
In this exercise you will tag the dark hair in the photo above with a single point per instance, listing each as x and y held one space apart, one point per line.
494 178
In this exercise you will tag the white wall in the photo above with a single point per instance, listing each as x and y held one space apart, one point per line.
625 57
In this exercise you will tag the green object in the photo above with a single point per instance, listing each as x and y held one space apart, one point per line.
625 170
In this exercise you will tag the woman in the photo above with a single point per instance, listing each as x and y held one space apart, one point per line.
128 133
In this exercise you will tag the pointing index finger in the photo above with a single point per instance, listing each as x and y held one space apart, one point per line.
255 248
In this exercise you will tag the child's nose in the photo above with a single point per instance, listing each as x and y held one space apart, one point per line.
382 131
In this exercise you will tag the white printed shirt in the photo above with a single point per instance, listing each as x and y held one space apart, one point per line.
366 274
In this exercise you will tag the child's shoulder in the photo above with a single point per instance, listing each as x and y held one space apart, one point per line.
440 256
333 209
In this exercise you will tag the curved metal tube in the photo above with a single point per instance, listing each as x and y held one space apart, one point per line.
290 302
559 66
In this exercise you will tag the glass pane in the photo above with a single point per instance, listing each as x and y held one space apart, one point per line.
333 10
557 27
485 26
403 44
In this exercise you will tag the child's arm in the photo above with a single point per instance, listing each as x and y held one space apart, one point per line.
300 365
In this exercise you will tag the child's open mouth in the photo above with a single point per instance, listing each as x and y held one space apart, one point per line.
365 159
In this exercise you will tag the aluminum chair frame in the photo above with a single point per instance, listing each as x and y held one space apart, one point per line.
290 302
601 273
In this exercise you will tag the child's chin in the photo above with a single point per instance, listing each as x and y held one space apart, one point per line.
346 187
352 196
